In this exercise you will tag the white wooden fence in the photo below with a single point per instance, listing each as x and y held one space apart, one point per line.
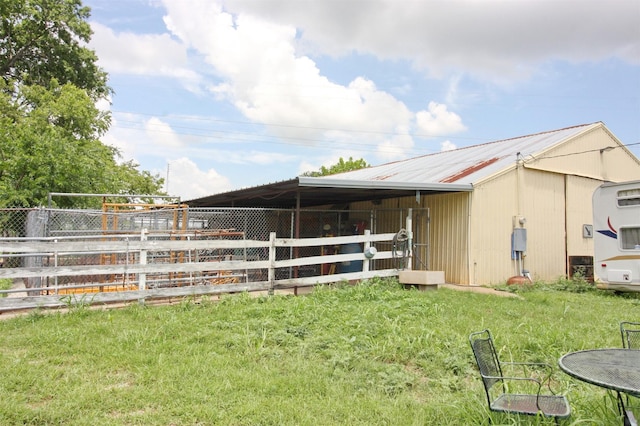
141 249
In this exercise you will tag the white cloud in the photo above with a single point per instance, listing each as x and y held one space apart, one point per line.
120 137
491 39
270 82
135 137
142 54
153 141
447 146
162 135
241 157
395 148
260 69
186 180
438 121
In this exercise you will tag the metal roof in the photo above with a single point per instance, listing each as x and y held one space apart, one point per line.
447 171
468 165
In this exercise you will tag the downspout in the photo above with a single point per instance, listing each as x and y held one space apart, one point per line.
567 267
519 262
470 273
518 192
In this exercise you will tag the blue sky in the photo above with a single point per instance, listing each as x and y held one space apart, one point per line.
227 94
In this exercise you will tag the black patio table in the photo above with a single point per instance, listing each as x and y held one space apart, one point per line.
614 369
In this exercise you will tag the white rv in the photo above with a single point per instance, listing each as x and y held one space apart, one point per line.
616 236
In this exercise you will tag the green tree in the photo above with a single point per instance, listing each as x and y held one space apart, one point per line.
53 148
340 167
45 39
50 127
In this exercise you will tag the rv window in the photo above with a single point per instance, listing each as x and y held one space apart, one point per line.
629 197
629 238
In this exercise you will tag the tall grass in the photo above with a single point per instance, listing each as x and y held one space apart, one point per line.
372 354
5 284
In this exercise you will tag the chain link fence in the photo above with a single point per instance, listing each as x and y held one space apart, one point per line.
121 221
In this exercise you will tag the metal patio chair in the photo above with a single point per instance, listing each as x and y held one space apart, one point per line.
499 395
630 332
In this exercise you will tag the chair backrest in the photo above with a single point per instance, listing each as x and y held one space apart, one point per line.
486 357
630 332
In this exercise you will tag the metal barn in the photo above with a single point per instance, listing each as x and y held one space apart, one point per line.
494 210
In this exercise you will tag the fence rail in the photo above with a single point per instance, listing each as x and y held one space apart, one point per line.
139 267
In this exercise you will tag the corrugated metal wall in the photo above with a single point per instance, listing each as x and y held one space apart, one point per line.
543 205
449 230
493 206
441 227
539 198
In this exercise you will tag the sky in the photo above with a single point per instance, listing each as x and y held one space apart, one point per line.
218 95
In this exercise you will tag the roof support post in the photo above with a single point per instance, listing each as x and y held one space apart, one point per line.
297 231
297 234
409 228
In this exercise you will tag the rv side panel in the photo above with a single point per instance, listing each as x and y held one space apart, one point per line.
616 235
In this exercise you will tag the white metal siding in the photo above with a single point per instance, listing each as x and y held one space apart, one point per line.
493 207
544 209
582 156
579 213
539 198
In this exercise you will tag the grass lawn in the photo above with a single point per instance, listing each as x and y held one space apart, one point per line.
372 354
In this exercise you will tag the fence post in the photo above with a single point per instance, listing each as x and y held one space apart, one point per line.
271 275
142 277
55 265
367 244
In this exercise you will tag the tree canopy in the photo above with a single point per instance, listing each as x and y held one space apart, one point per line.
45 39
50 127
340 167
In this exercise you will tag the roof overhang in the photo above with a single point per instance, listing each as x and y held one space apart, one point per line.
306 191
382 184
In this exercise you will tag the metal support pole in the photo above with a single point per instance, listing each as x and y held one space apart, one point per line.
409 228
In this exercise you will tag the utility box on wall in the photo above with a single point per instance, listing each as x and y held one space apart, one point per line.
581 266
519 239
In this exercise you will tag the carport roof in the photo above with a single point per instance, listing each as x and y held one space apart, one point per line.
318 191
448 171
